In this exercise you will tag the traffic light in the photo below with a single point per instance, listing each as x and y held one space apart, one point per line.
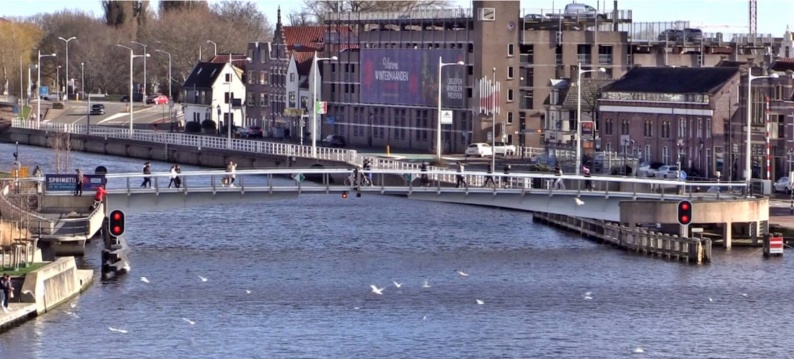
684 213
116 221
344 195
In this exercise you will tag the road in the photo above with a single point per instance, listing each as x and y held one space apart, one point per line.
76 112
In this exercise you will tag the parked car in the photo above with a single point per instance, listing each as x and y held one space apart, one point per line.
692 35
649 169
241 132
479 149
157 100
136 97
504 149
582 10
668 171
255 132
671 35
782 185
97 109
334 141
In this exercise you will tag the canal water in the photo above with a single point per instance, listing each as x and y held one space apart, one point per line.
291 279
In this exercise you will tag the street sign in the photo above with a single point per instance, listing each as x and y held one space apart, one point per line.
298 177
330 120
446 117
321 107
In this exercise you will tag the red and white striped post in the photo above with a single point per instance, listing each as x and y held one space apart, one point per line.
768 152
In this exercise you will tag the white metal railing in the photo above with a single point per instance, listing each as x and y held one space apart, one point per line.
418 14
198 141
264 179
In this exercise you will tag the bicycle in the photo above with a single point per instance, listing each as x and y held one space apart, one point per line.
350 181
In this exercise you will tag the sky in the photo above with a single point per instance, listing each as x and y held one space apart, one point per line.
730 16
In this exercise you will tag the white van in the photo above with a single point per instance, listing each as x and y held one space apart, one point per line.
573 10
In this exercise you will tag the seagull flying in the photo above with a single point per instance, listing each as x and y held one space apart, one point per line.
579 202
189 321
247 291
744 294
117 330
711 300
587 297
144 279
639 350
397 284
426 284
587 294
480 302
376 290
463 274
202 279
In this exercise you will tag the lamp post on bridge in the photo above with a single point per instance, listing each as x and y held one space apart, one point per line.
441 65
748 163
578 161
132 57
314 99
38 88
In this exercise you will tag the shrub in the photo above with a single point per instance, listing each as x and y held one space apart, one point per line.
193 127
57 106
208 125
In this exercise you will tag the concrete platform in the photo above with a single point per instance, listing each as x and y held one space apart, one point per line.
20 313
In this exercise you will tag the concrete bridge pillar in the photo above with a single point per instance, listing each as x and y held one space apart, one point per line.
726 233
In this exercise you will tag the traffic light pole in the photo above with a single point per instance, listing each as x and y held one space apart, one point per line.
684 231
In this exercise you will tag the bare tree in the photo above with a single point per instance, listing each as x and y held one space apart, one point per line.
301 18
182 5
17 39
241 18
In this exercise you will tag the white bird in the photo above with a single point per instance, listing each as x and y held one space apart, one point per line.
73 314
426 284
356 308
397 284
587 294
376 290
480 302
144 279
463 274
639 350
744 294
189 321
202 279
424 318
579 202
587 297
247 291
73 305
711 300
117 330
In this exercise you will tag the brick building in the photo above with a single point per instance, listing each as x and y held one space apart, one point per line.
671 115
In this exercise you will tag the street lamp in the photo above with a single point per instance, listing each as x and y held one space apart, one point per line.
67 62
219 118
132 57
38 88
747 161
82 77
58 81
314 100
578 161
145 55
438 124
214 46
170 96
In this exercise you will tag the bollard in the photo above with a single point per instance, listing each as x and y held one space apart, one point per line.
388 152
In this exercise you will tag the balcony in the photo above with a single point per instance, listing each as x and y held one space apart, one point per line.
605 59
558 59
526 59
584 58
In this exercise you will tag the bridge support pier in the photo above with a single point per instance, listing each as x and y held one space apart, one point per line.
727 234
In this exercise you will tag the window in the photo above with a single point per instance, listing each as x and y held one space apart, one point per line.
779 92
250 79
262 102
647 153
263 77
666 155
510 72
509 118
681 128
292 77
228 77
699 128
609 147
510 50
648 129
227 96
608 127
509 95
250 99
624 127
292 99
708 128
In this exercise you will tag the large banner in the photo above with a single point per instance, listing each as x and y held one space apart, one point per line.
67 182
410 77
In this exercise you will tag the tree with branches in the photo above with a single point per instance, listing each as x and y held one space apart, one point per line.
319 9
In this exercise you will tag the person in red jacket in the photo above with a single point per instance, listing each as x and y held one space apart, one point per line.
99 196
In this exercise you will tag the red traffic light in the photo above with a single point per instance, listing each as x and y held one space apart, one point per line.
684 213
116 223
344 195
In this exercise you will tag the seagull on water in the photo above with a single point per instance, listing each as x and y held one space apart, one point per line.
247 291
711 300
117 330
397 284
189 321
744 294
480 302
73 305
144 279
72 314
202 279
579 202
463 274
639 350
587 297
587 294
376 290
426 284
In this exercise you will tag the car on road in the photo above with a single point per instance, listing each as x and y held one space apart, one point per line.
137 97
334 141
97 109
782 185
255 132
672 35
241 132
649 169
504 149
574 10
157 100
668 171
479 149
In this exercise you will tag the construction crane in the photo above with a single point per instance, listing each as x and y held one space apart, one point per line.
753 26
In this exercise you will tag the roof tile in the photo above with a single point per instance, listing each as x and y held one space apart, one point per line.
678 80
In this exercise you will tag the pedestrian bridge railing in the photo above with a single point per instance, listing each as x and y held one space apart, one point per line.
405 179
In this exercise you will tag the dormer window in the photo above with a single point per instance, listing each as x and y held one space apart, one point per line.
228 77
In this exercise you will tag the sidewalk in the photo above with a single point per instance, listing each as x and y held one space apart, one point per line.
19 312
782 217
